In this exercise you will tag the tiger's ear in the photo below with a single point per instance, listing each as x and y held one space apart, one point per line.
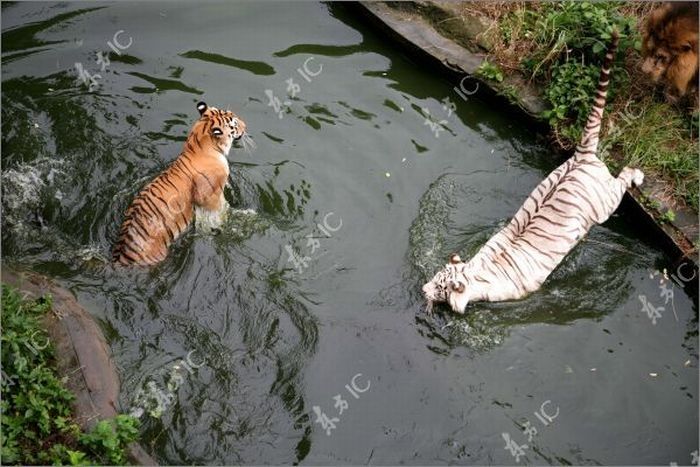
455 259
202 107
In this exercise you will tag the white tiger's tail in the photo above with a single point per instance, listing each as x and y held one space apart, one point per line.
588 145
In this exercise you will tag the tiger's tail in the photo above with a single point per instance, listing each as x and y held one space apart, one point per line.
591 133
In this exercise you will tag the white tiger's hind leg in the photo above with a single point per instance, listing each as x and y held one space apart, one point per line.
617 187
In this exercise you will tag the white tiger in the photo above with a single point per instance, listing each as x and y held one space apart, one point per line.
557 214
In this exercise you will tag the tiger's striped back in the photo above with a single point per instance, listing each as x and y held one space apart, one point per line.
156 217
165 207
552 220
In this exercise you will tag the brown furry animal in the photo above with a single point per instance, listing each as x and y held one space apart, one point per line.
670 49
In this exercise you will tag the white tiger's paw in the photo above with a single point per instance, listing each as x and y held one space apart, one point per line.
637 177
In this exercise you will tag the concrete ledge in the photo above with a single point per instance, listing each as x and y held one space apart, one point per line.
405 23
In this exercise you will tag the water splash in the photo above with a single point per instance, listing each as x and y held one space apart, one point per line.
25 190
243 223
206 221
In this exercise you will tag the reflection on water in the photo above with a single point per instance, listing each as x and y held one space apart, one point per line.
270 340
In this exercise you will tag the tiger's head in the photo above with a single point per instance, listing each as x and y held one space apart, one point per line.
448 285
219 128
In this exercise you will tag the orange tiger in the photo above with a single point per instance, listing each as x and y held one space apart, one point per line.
192 185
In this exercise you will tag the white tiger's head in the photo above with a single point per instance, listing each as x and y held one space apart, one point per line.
448 285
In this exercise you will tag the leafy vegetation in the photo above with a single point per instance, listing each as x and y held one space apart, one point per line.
568 43
668 216
490 71
560 46
37 425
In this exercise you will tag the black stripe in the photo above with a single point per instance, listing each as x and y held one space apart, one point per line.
544 253
540 264
582 198
165 177
129 258
160 214
549 235
513 263
505 271
137 225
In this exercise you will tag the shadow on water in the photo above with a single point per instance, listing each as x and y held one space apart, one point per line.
23 39
257 68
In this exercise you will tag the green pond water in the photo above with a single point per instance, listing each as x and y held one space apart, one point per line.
371 199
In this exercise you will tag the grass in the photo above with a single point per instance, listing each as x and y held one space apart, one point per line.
658 139
37 425
559 46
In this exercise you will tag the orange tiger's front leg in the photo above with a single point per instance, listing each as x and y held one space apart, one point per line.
210 204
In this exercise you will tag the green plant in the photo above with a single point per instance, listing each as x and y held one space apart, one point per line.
571 38
37 425
108 436
490 71
655 204
569 94
560 46
668 216
577 31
